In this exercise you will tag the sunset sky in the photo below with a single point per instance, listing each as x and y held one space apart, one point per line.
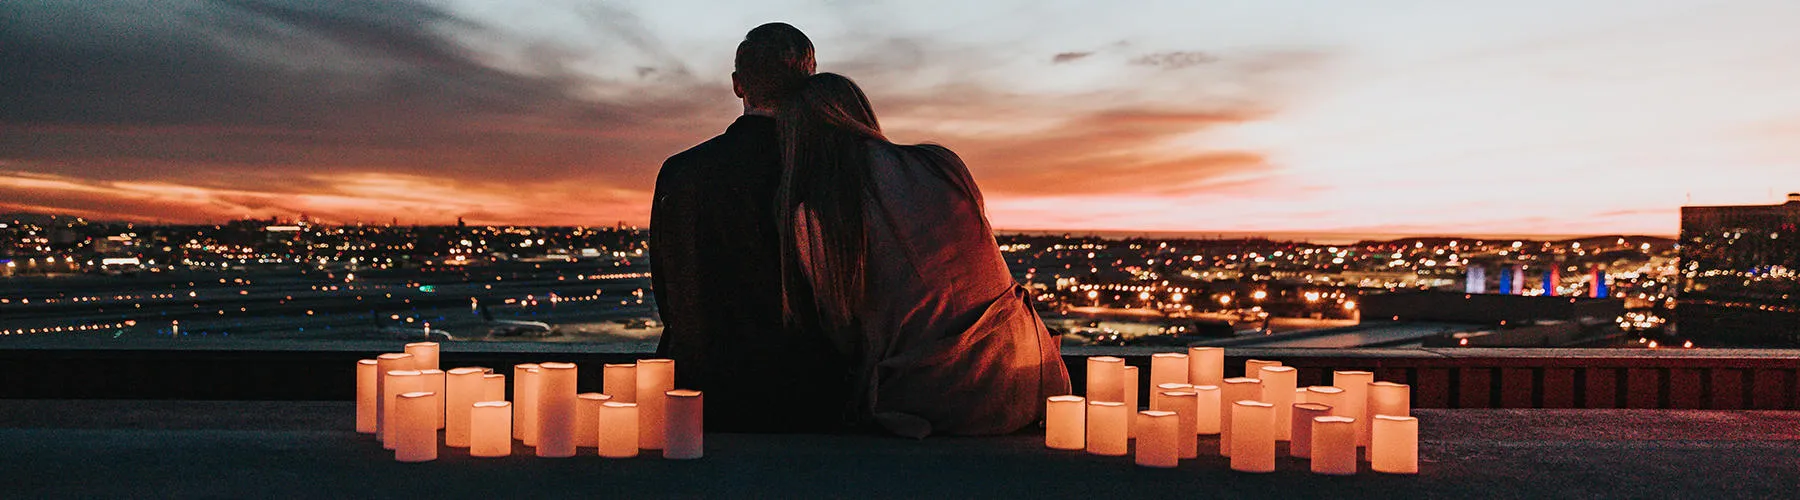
1392 116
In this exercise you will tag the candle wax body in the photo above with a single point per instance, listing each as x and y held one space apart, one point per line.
1394 445
1168 368
1334 446
525 405
1388 398
435 383
425 355
1253 367
398 382
462 388
1131 401
490 429
493 388
620 382
655 378
1106 428
1300 445
383 364
1157 440
415 428
1206 366
1106 379
1355 400
618 430
1065 422
1234 390
1253 436
366 396
1186 409
1278 389
587 418
1206 418
1328 396
556 410
685 427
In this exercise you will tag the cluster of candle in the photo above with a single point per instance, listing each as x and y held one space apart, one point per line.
1189 397
404 400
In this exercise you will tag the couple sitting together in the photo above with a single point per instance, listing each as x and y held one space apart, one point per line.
813 276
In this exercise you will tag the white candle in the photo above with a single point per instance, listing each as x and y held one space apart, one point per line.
525 405
1252 436
1206 366
425 355
587 418
618 429
1158 440
1334 446
1168 368
1106 379
1300 445
383 364
1388 398
1131 401
685 427
1206 415
1328 396
1065 422
1278 390
434 383
1394 445
556 410
655 377
398 382
1253 367
1106 428
493 388
415 427
366 396
1186 408
1235 389
490 429
1355 400
462 389
620 382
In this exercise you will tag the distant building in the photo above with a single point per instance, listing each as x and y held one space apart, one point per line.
1740 274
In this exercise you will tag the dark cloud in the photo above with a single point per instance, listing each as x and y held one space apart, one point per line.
1069 57
1174 60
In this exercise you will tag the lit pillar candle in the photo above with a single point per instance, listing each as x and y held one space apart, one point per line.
1106 379
1186 408
493 388
398 382
1300 444
1355 400
684 424
525 405
1158 440
1065 422
1106 428
1159 401
366 396
1394 445
587 418
415 427
618 429
1328 396
1252 436
1334 446
490 429
655 377
1278 389
425 355
556 410
1168 368
1235 389
1130 390
435 383
1388 398
462 389
1253 367
1300 395
1206 366
620 382
1206 414
385 363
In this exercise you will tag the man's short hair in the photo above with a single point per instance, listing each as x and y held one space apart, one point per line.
772 61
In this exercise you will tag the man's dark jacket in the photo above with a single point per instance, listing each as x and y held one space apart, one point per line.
715 270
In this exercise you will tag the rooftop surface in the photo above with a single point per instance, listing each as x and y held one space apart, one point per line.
205 449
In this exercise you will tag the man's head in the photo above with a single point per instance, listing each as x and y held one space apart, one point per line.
772 60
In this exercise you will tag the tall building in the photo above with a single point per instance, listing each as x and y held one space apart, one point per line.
1740 274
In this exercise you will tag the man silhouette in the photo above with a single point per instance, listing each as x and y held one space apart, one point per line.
716 266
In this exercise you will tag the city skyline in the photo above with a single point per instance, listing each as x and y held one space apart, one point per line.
1398 118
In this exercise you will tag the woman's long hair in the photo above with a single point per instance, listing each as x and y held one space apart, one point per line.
825 128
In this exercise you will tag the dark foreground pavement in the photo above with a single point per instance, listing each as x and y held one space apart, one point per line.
176 449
